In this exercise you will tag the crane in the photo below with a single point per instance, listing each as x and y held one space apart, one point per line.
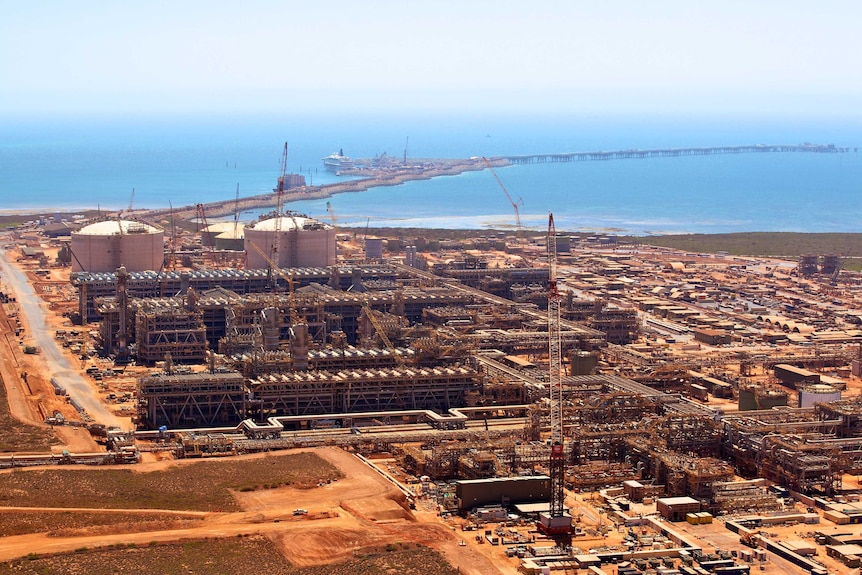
236 211
332 217
334 226
833 279
173 246
557 523
202 218
279 207
281 177
291 300
508 196
381 332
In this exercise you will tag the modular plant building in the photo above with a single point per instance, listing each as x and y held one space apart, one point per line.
676 508
504 491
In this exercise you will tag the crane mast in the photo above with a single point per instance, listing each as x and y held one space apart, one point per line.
556 384
557 522
275 248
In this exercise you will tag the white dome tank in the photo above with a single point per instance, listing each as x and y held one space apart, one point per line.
105 246
300 242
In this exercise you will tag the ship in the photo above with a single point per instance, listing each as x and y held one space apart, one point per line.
338 162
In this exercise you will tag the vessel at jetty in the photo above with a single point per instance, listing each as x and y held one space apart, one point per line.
338 162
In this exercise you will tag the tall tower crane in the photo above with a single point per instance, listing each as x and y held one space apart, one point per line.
557 523
508 196
202 221
274 249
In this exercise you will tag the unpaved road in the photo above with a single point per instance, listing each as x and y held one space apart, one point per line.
53 363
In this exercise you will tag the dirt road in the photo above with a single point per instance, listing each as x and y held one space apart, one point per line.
53 363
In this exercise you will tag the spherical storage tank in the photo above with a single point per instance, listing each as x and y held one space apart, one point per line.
105 246
290 242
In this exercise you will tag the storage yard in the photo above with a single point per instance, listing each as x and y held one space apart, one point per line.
710 406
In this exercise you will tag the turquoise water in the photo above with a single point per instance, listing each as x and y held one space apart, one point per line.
78 164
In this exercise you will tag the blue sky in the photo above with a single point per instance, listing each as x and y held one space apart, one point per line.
729 57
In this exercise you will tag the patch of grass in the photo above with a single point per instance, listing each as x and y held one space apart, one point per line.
788 245
233 556
200 486
58 523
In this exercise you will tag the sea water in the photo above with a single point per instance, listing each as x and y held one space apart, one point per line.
84 163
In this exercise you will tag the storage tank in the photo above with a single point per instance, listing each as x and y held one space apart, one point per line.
582 362
291 241
105 246
209 235
818 393
231 240
373 248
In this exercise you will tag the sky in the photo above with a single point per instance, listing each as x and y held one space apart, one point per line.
622 57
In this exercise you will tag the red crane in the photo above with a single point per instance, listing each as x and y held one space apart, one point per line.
557 522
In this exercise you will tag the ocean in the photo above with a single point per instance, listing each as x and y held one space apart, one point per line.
73 164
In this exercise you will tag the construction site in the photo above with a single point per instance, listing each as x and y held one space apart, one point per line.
663 384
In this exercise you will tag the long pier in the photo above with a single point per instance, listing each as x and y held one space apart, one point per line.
671 152
431 168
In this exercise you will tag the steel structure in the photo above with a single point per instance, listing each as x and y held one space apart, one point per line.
557 523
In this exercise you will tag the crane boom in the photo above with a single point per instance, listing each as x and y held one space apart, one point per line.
202 218
279 188
295 318
508 196
375 323
833 280
274 249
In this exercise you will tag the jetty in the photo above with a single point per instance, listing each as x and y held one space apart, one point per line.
672 152
371 174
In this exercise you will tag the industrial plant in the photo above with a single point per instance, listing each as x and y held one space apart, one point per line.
507 374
